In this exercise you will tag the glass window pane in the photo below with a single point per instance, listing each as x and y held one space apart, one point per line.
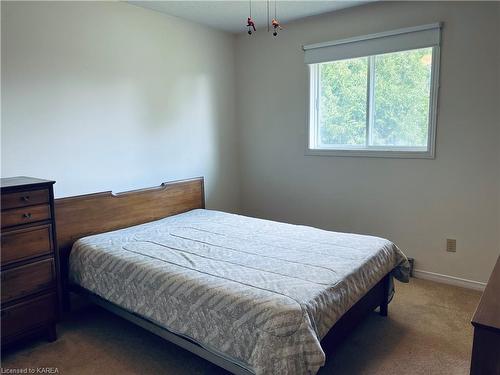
401 99
342 102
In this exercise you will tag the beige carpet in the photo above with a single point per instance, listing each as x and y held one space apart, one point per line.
427 331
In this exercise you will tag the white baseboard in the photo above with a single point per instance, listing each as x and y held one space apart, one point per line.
451 280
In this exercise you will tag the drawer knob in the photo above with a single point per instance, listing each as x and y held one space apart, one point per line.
25 198
27 216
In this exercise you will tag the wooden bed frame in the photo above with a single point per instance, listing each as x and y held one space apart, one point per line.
85 215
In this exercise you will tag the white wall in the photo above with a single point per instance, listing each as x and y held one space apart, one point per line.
416 203
107 95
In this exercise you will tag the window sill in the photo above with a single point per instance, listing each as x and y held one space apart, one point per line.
396 154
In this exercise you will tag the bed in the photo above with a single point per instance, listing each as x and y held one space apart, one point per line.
253 296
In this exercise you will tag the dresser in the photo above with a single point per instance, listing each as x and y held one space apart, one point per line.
486 321
29 264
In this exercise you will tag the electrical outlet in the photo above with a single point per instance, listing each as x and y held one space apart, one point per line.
451 245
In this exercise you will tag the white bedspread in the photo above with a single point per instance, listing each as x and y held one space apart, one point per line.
261 293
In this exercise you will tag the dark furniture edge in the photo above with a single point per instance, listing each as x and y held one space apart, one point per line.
9 183
487 314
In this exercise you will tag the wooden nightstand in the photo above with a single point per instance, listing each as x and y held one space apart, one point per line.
29 262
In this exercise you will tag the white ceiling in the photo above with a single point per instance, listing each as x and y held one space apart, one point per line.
231 16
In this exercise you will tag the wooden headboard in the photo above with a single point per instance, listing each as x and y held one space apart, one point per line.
85 215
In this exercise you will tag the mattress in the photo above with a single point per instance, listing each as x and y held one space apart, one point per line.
259 293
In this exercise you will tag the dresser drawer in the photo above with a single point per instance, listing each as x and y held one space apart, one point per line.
24 198
26 243
25 215
31 278
27 315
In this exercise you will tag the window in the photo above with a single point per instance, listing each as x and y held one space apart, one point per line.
375 95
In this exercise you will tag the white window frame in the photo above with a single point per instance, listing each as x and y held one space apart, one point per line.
312 147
